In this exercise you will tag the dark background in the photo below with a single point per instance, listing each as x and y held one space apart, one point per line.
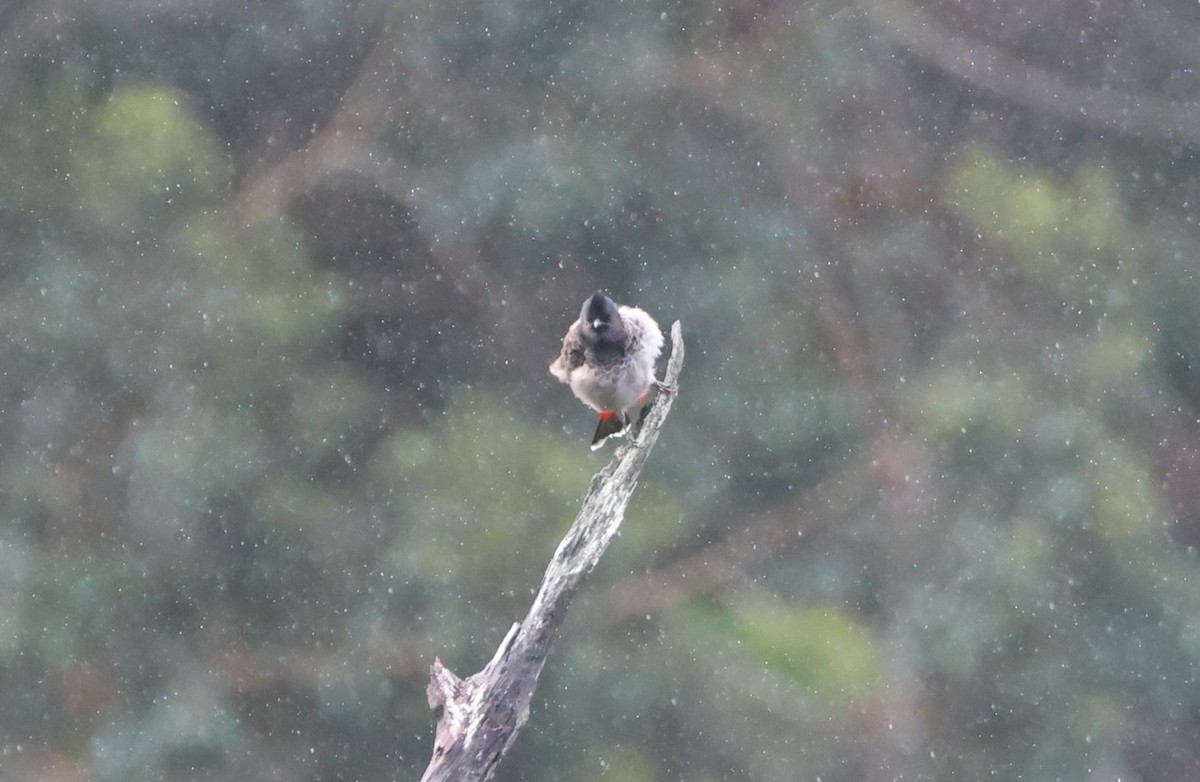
279 289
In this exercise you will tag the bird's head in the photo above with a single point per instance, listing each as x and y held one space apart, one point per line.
599 314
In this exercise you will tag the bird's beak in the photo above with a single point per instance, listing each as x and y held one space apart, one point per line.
597 323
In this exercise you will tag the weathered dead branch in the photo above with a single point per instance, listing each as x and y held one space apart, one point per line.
480 716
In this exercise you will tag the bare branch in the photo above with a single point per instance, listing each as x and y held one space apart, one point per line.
480 716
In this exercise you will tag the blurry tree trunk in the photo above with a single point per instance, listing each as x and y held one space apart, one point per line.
480 716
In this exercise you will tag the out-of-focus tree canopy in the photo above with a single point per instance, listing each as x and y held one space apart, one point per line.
278 289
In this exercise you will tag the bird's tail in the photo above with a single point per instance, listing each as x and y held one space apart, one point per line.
611 424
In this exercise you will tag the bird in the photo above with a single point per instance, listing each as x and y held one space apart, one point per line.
607 358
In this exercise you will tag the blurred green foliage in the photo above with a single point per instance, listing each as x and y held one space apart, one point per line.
819 648
142 144
280 286
1067 236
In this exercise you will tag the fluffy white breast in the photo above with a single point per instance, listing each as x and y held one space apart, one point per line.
618 387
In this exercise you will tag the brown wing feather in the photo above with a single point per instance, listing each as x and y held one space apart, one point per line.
572 354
